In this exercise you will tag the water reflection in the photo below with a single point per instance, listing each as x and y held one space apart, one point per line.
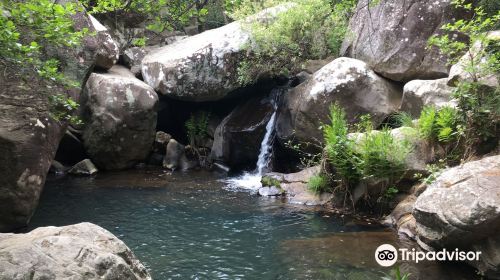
187 226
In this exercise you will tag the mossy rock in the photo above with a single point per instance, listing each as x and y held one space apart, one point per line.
268 181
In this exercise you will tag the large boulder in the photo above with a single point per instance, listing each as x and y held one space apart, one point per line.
28 134
119 112
97 48
346 81
461 209
392 37
203 67
80 251
238 137
420 93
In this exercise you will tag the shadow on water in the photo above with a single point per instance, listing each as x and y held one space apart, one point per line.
189 226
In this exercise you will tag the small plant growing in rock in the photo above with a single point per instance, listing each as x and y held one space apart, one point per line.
268 181
318 183
197 128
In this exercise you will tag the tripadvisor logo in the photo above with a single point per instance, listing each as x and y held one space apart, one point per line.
387 255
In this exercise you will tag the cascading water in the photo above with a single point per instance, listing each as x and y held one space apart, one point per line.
266 146
251 180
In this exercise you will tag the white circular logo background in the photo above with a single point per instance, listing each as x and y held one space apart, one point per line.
386 255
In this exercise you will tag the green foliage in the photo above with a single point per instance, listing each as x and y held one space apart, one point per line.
478 117
269 181
439 124
426 122
312 29
162 14
382 156
339 147
401 119
396 275
197 128
28 28
375 154
31 29
318 184
63 107
391 192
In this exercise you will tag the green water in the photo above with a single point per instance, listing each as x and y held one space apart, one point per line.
189 226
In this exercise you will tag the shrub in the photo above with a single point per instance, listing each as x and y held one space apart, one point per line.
197 128
439 125
339 147
478 116
382 156
376 154
426 122
318 184
312 29
400 119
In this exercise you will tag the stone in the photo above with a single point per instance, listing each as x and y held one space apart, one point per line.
296 190
119 112
421 151
392 37
80 251
203 67
179 156
108 50
132 58
29 136
84 167
238 137
161 142
345 81
420 93
461 209
270 191
57 168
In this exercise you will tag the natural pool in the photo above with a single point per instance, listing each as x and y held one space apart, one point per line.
190 226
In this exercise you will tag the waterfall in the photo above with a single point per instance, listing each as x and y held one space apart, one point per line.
251 180
266 146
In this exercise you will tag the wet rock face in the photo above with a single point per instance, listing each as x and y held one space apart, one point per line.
203 67
346 81
238 137
81 251
461 209
120 119
392 37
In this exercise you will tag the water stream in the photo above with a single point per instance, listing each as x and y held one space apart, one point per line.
251 180
188 226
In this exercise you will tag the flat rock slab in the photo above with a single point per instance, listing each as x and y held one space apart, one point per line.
81 251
